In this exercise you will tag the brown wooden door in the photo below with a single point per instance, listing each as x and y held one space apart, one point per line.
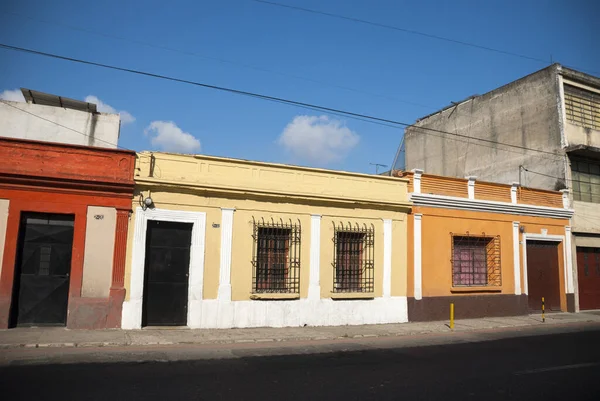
543 275
588 273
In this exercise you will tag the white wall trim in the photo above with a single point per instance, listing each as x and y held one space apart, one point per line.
417 173
314 284
541 237
418 286
224 292
471 186
387 258
514 188
132 309
569 265
451 202
516 258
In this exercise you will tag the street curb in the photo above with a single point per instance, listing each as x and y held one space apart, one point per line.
129 343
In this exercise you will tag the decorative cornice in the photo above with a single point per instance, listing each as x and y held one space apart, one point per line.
406 206
477 205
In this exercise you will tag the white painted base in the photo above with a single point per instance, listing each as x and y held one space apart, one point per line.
132 315
322 312
215 314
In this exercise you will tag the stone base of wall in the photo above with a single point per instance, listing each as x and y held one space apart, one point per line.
571 303
87 313
466 307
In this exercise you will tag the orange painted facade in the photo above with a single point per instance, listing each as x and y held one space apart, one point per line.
443 209
55 178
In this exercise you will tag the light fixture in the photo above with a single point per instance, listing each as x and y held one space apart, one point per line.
145 203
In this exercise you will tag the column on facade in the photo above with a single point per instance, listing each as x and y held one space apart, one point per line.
314 285
418 286
117 288
224 293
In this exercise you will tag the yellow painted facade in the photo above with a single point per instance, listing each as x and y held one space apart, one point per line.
274 192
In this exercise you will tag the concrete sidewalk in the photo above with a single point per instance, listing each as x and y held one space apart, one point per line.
61 337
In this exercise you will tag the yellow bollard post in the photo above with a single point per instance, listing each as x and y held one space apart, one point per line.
451 316
543 311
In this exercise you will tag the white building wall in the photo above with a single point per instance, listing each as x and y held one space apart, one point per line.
57 124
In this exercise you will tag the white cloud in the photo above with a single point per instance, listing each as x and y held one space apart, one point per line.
126 117
167 136
318 139
13 96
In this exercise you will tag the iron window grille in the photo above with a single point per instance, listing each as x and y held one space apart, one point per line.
276 257
353 258
476 261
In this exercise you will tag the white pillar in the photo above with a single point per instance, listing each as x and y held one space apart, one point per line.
471 188
516 258
569 265
224 293
565 198
387 258
314 286
514 188
417 180
418 288
525 289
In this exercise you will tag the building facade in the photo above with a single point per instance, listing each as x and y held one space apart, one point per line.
220 243
552 120
52 118
64 213
490 249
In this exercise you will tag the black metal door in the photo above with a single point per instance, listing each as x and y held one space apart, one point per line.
41 290
166 273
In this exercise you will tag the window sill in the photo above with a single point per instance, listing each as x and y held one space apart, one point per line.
475 289
274 296
352 295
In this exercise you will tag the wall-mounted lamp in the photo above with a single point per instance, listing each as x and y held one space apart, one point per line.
145 203
522 229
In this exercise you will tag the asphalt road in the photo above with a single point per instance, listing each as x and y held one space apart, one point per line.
564 366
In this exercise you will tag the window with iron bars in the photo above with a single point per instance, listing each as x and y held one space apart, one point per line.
476 261
353 264
585 176
582 107
276 257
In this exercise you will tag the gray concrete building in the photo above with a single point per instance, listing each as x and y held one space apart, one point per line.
540 131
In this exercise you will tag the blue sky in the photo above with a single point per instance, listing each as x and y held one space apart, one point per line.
280 52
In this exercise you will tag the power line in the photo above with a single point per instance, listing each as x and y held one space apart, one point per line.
220 60
559 178
350 114
405 30
60 125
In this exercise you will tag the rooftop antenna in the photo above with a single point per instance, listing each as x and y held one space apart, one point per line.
377 165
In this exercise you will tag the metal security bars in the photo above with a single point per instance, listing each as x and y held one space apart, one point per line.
276 257
582 107
585 179
475 261
353 263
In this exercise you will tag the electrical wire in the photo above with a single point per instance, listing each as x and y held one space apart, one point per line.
349 114
409 31
559 178
217 59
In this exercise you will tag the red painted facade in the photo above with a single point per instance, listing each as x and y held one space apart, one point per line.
56 178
